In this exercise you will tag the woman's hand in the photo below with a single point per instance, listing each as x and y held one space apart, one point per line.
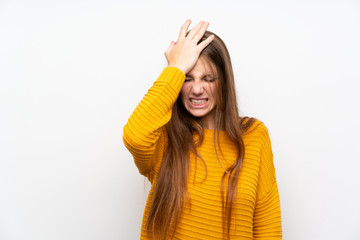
185 52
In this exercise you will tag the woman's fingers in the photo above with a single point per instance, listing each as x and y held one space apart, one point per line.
206 42
201 32
195 33
195 30
185 52
184 29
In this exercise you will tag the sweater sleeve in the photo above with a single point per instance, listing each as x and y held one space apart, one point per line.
267 215
145 127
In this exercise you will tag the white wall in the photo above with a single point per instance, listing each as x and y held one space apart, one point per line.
71 73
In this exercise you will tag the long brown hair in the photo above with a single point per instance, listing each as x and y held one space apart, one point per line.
170 189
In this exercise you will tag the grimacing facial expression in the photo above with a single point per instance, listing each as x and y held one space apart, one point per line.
198 93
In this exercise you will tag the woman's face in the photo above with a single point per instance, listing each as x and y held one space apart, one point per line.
198 93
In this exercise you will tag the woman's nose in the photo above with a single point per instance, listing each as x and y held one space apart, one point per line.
197 87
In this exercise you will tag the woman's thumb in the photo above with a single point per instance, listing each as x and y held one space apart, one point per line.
172 44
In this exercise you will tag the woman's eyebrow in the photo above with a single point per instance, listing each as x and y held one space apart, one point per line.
203 76
211 76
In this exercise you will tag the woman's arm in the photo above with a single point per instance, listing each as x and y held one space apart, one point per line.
144 127
267 215
144 131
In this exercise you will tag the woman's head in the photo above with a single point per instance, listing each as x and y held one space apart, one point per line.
208 93
198 93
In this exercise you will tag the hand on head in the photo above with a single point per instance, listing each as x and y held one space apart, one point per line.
185 52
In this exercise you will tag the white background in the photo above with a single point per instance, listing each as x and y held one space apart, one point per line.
71 73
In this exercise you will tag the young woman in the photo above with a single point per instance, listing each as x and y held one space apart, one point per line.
211 171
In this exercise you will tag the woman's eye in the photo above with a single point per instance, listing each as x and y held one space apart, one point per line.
187 79
209 80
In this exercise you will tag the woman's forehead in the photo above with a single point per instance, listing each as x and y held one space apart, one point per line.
203 68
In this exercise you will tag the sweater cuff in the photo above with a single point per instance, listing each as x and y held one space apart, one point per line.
174 76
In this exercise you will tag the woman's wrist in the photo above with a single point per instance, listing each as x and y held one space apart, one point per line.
181 68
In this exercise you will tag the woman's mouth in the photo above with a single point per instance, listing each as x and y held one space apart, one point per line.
198 102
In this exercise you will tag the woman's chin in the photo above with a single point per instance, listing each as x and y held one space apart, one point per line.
199 113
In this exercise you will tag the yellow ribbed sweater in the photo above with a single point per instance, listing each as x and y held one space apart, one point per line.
257 211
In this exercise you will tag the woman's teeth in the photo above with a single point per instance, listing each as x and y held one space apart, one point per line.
198 101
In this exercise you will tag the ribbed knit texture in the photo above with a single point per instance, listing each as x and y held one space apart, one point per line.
257 210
